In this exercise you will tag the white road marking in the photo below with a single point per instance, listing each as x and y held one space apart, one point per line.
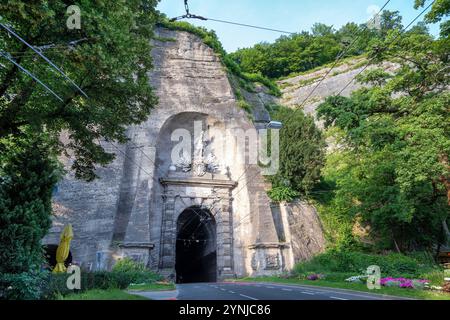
338 298
270 287
286 289
343 292
232 292
243 295
311 294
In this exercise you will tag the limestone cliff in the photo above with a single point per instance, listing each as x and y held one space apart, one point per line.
307 234
296 89
143 204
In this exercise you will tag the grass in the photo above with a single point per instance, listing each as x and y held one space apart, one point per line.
400 292
111 294
152 287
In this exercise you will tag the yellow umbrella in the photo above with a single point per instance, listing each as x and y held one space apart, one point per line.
63 249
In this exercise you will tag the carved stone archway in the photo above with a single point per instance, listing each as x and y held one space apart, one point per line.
211 192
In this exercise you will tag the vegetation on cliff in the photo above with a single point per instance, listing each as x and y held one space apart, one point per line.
391 168
304 51
385 182
302 154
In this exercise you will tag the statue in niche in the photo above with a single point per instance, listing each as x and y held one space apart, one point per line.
254 262
199 165
201 162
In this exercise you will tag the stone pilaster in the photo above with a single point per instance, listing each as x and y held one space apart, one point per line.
168 234
225 237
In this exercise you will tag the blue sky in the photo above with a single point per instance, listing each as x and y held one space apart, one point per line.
289 15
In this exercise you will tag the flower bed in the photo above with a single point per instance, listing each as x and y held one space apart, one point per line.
404 283
314 277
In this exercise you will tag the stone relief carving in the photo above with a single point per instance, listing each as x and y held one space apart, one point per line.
272 262
254 262
200 164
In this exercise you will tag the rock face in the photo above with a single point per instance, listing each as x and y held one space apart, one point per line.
306 232
296 89
168 214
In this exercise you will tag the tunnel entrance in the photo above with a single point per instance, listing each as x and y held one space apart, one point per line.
196 257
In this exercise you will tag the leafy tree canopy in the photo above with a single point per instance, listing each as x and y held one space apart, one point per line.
301 152
109 58
391 165
304 51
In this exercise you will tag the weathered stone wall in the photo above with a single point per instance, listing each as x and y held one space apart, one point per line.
305 231
132 209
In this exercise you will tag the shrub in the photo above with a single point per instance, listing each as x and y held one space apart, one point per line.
404 283
394 265
22 286
27 178
105 280
56 285
280 194
302 151
124 273
137 272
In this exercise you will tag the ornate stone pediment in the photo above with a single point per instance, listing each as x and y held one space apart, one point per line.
202 162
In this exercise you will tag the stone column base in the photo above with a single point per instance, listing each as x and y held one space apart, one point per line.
267 259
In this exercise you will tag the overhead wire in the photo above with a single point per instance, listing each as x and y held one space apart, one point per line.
342 55
368 64
188 15
29 73
391 42
9 29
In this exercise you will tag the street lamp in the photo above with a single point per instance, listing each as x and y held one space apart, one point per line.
274 125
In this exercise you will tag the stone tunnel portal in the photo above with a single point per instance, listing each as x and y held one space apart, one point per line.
196 255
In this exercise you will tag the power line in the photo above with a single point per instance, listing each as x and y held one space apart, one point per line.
414 20
8 57
188 15
341 55
43 57
250 26
391 42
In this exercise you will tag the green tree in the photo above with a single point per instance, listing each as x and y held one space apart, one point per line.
395 146
439 11
390 20
109 60
27 178
307 50
301 151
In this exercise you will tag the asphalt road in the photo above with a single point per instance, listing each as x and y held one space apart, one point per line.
260 291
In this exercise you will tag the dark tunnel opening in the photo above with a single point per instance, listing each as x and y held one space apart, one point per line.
50 256
196 258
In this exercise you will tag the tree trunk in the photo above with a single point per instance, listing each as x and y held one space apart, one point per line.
396 245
